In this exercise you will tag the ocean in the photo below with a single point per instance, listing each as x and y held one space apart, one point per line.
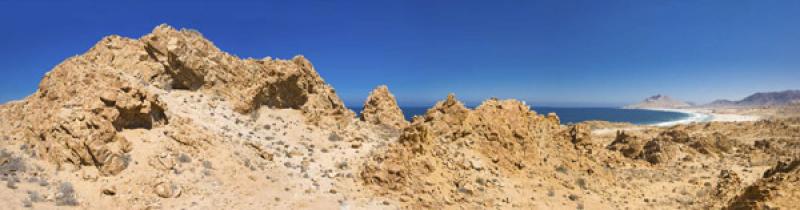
570 115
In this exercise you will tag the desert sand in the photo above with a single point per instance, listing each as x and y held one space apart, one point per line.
169 121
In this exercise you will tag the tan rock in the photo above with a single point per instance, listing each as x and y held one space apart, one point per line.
629 145
381 108
453 144
194 63
777 189
83 102
167 190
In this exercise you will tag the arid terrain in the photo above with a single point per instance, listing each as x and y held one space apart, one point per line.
169 121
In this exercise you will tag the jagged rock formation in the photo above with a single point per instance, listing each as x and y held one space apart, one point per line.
453 143
84 101
658 101
670 145
189 61
381 108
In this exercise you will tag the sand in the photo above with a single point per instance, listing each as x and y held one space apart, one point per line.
705 115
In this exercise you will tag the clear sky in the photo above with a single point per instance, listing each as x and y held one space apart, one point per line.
556 53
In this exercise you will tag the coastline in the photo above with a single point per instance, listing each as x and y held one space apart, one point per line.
702 115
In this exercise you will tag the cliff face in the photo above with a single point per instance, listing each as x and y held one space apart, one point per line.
83 102
658 101
381 108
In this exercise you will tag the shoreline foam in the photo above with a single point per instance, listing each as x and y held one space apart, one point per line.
703 115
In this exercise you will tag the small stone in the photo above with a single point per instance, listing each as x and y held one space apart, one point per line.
111 191
167 190
476 164
573 197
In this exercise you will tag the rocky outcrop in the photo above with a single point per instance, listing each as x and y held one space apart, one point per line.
191 62
666 145
580 134
81 104
777 189
452 142
381 108
629 145
654 151
728 186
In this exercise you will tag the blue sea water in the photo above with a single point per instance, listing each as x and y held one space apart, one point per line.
569 115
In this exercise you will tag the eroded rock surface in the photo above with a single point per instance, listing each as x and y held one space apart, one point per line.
83 102
454 154
381 108
778 188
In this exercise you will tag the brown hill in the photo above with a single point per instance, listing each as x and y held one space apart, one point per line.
658 101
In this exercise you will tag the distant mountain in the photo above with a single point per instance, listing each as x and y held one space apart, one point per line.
780 98
658 101
721 102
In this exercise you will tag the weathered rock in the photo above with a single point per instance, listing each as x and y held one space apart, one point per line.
553 117
446 115
381 108
167 190
452 142
727 188
579 134
194 63
778 189
630 146
83 102
657 151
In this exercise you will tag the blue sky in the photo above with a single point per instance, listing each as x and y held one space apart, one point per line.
554 53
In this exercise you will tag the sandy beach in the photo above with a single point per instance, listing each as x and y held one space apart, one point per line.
705 115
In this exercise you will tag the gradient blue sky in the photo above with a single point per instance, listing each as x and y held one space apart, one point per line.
554 53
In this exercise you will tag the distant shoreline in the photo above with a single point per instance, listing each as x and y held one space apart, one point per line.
702 115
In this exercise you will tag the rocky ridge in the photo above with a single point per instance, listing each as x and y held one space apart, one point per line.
68 124
170 121
780 98
457 156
